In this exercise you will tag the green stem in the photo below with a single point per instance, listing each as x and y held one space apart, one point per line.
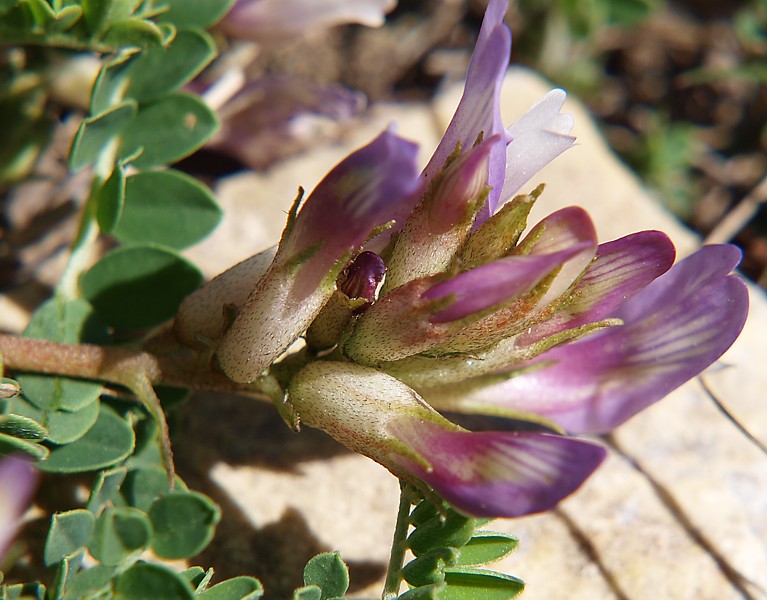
399 544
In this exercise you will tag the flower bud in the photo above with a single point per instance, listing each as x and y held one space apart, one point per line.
205 314
440 224
351 204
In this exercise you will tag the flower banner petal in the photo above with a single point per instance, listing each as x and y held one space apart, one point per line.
478 111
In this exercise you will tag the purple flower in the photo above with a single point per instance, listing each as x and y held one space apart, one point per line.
523 148
18 480
346 208
266 20
474 316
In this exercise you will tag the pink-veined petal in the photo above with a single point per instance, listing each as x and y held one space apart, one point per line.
493 283
497 474
673 329
620 269
478 111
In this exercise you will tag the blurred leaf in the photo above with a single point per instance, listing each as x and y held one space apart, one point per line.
329 572
167 207
24 591
426 592
466 583
59 393
184 523
139 286
143 486
99 14
86 583
453 530
66 18
110 83
196 576
70 532
168 130
195 13
120 533
309 592
150 580
110 200
158 71
22 427
105 488
13 445
63 427
96 132
487 546
429 567
133 32
630 12
109 441
41 11
238 588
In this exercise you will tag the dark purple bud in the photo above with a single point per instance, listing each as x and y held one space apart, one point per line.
363 277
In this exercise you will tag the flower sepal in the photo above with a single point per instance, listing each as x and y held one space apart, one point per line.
498 236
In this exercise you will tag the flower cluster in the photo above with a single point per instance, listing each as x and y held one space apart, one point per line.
420 294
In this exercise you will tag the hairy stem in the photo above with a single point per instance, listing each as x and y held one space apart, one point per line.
399 544
118 364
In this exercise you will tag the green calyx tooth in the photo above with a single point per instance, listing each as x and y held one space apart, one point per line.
499 235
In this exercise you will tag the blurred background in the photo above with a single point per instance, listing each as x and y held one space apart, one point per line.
677 87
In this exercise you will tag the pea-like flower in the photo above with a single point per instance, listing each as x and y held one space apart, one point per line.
473 315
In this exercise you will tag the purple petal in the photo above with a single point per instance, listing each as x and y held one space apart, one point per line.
357 196
279 115
620 269
340 214
496 282
479 108
534 140
497 474
673 329
18 480
560 230
261 20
